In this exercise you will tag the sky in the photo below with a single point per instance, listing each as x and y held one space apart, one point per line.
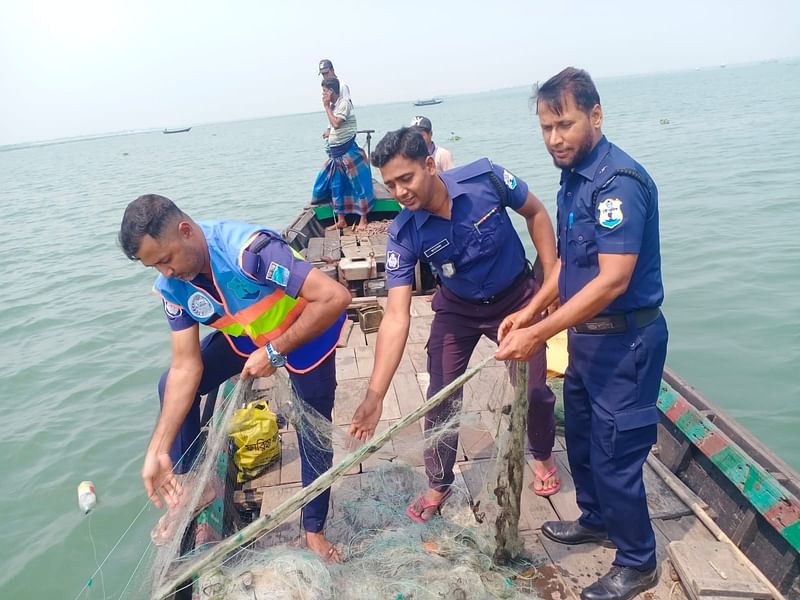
83 67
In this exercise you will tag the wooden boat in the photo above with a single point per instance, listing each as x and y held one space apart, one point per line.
184 130
428 102
707 477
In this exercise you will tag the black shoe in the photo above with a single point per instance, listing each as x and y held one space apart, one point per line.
572 532
621 583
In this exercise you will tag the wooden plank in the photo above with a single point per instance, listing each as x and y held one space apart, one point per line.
346 365
290 458
547 582
712 569
315 250
419 356
349 395
683 528
365 359
406 366
385 456
357 338
289 531
331 250
475 440
582 565
407 392
490 390
662 501
420 329
269 478
409 445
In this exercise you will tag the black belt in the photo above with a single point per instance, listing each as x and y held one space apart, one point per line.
513 286
618 323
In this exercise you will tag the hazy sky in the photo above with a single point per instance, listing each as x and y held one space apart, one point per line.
75 67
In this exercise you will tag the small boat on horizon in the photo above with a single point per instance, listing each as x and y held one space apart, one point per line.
428 102
183 130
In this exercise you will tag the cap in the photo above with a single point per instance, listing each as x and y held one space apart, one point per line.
422 122
325 64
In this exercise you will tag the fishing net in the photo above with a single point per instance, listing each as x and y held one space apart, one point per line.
385 554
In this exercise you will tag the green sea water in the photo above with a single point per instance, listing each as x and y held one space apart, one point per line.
83 341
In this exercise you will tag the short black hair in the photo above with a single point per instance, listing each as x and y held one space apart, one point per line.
147 215
332 84
575 82
406 141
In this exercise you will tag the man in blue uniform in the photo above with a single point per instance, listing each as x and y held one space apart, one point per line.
609 283
457 222
270 308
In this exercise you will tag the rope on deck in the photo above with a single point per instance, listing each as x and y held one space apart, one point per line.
215 556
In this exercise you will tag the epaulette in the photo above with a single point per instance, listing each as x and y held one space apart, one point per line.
400 221
470 170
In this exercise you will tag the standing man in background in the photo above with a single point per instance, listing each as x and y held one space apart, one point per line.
327 71
345 178
457 222
610 290
442 157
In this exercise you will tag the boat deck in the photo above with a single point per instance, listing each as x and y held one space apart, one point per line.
566 569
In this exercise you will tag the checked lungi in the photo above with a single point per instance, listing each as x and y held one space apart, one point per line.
345 180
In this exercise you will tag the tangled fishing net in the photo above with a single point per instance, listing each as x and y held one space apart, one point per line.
385 554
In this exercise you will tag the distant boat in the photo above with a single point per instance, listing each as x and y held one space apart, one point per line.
428 102
184 130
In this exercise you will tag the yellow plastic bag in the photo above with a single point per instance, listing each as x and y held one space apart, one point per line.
254 430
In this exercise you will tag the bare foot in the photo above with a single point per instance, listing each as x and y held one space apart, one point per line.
338 225
545 477
318 544
362 224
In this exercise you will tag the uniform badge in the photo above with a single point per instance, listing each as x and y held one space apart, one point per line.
173 311
436 247
511 181
610 212
278 274
200 306
392 260
448 269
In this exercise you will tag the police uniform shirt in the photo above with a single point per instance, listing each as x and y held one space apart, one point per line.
276 251
622 219
477 253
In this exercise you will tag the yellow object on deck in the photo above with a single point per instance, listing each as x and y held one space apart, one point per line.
557 356
254 430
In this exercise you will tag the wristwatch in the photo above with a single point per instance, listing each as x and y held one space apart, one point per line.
276 359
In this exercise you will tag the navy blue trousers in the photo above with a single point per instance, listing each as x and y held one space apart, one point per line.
610 392
317 388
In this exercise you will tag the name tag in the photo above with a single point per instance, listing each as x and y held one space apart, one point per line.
435 248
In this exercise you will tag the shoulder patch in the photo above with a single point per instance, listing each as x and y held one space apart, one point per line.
278 274
509 179
173 311
609 212
392 260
